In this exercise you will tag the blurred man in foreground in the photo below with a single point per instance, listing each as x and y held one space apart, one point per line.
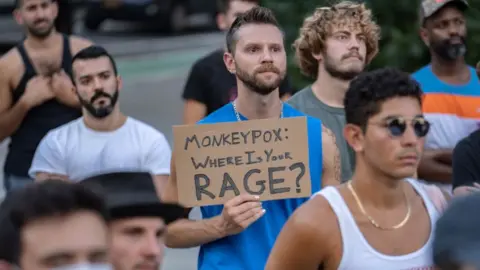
56 225
456 244
138 220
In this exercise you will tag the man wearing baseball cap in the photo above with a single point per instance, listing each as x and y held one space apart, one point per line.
430 7
449 86
456 244
138 218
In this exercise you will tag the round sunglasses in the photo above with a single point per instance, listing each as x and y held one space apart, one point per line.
398 125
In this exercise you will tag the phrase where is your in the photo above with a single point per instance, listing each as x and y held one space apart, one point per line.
251 137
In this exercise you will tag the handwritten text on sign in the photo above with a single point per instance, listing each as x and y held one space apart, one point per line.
217 162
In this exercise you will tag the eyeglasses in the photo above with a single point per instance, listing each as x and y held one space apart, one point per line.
398 125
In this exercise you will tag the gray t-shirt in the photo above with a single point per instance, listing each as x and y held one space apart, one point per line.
332 118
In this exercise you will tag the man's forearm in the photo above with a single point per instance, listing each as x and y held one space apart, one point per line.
187 233
444 156
432 170
41 176
70 99
12 119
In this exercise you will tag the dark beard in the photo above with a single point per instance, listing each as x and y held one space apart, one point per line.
344 75
448 51
101 112
40 34
256 85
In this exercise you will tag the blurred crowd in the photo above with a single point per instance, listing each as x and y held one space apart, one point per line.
394 157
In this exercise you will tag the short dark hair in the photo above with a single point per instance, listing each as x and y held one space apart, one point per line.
19 3
94 52
9 245
369 90
256 15
224 5
50 198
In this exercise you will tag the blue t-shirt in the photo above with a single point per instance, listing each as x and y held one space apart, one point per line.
249 250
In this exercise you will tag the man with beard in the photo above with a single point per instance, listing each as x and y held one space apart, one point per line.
104 139
240 234
138 219
450 87
36 90
210 85
334 45
382 218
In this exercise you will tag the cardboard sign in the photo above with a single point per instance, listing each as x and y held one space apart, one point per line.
216 162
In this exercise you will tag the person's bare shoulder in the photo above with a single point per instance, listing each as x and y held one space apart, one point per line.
308 238
10 63
79 43
316 215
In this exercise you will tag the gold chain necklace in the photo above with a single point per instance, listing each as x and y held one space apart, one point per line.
374 223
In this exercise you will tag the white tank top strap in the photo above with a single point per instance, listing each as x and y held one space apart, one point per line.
346 222
357 252
420 187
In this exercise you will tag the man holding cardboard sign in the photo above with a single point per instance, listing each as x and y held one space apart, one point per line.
228 160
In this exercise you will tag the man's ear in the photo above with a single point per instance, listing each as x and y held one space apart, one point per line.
354 136
478 69
229 62
119 83
222 22
424 36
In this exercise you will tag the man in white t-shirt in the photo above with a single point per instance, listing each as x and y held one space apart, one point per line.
104 139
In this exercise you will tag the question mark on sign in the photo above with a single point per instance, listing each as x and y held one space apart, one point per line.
301 166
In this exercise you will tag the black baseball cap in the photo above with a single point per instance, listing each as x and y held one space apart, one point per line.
133 194
457 233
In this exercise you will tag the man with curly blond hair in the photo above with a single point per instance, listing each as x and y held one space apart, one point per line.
334 45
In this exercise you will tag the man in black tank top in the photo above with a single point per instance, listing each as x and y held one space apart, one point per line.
36 90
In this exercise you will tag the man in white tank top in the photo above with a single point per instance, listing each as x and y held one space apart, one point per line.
380 220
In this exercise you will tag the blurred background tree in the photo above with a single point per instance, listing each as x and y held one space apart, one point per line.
400 46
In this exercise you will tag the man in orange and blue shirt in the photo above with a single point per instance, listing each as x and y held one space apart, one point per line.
451 87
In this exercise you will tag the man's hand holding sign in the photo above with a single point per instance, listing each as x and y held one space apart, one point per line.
239 165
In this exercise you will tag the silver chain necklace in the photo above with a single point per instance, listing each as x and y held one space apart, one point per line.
238 115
